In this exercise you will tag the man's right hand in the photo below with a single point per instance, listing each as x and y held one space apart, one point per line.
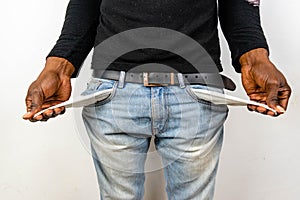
53 86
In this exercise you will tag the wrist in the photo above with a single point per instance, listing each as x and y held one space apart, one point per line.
61 66
254 57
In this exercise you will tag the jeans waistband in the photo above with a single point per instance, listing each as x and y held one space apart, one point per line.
151 79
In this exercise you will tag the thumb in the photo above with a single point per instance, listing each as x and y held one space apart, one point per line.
272 98
34 103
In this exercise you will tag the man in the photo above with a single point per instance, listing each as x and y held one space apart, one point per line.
188 131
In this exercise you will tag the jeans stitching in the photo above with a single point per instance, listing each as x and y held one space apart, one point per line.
193 96
108 99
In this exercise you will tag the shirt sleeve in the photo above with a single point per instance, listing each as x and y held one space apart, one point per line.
240 23
78 33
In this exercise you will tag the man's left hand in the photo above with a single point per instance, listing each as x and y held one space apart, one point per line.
263 82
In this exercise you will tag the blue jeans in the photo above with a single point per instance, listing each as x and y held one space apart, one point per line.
188 136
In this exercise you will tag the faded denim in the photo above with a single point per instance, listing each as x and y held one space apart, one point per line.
188 136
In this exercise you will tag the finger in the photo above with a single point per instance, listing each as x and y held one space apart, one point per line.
63 111
259 97
59 111
273 100
44 119
284 98
251 107
261 110
34 102
257 109
52 113
271 113
48 113
265 111
35 119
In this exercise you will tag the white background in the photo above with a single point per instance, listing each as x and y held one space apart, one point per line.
46 161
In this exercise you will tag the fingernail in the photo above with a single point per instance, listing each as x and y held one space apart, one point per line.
26 114
57 113
49 114
280 109
38 118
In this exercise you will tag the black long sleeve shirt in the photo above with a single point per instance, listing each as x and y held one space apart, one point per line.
89 22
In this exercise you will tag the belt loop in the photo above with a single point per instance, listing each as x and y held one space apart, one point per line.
181 80
121 79
172 79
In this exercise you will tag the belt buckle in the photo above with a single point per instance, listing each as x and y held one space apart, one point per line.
147 84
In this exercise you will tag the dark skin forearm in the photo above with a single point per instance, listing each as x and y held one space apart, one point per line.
263 82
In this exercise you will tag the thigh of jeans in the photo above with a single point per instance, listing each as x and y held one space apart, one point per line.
120 132
190 145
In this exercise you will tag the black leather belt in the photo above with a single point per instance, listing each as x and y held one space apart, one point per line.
164 79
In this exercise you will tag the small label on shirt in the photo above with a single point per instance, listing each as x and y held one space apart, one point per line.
254 2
